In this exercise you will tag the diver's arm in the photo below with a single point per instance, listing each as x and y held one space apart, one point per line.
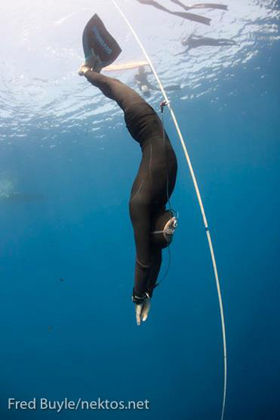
143 306
140 294
156 264
140 218
145 260
146 276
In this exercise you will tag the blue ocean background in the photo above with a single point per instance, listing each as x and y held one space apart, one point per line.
67 253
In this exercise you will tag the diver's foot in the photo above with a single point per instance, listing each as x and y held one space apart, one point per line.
83 69
92 63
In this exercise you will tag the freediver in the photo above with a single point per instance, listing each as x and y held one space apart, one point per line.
194 41
184 15
152 188
145 86
189 16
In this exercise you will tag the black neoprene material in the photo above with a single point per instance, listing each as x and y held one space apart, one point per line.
154 181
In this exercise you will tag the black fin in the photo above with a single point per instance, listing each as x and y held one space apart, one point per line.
97 38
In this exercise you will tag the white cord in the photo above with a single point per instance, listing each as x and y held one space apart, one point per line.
199 201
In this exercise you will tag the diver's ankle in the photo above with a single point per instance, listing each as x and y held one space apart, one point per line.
83 70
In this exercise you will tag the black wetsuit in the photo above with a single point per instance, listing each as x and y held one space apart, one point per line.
155 179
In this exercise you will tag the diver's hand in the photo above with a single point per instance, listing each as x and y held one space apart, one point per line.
142 311
142 308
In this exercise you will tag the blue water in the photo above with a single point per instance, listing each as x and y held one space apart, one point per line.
67 165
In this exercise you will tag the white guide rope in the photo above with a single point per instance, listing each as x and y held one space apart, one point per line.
199 201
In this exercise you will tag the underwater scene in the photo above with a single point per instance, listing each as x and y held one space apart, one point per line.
101 316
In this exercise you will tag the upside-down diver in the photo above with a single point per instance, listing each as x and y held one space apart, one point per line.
153 225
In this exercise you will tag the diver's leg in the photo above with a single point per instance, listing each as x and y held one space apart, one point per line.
114 89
